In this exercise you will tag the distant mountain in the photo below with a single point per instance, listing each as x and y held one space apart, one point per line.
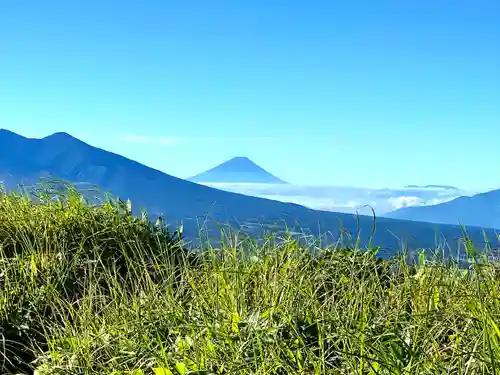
445 187
237 170
24 160
479 210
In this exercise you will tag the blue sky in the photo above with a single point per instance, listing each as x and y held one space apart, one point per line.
360 93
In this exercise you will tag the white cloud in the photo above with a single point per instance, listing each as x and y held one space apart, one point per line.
405 201
313 202
409 201
353 204
165 141
342 199
440 200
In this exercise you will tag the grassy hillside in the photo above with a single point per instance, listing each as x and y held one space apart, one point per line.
94 290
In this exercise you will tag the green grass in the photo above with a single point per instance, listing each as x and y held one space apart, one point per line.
94 290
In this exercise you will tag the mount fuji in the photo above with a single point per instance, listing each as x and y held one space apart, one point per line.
237 170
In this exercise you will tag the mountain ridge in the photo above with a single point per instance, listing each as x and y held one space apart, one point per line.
186 202
432 186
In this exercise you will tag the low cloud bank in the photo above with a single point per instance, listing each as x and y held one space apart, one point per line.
347 199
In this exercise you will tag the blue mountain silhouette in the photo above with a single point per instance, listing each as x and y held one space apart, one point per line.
479 210
25 160
237 170
446 187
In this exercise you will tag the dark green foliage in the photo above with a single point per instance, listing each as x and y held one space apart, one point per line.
73 240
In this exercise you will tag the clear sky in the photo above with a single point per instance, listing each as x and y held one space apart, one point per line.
362 93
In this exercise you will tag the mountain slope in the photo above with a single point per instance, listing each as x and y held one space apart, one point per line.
237 170
60 155
480 210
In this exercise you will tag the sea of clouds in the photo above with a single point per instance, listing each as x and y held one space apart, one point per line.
347 199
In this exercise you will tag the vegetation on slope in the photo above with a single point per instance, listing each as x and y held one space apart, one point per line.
93 290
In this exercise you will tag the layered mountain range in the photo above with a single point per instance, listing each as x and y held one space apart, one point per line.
60 155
